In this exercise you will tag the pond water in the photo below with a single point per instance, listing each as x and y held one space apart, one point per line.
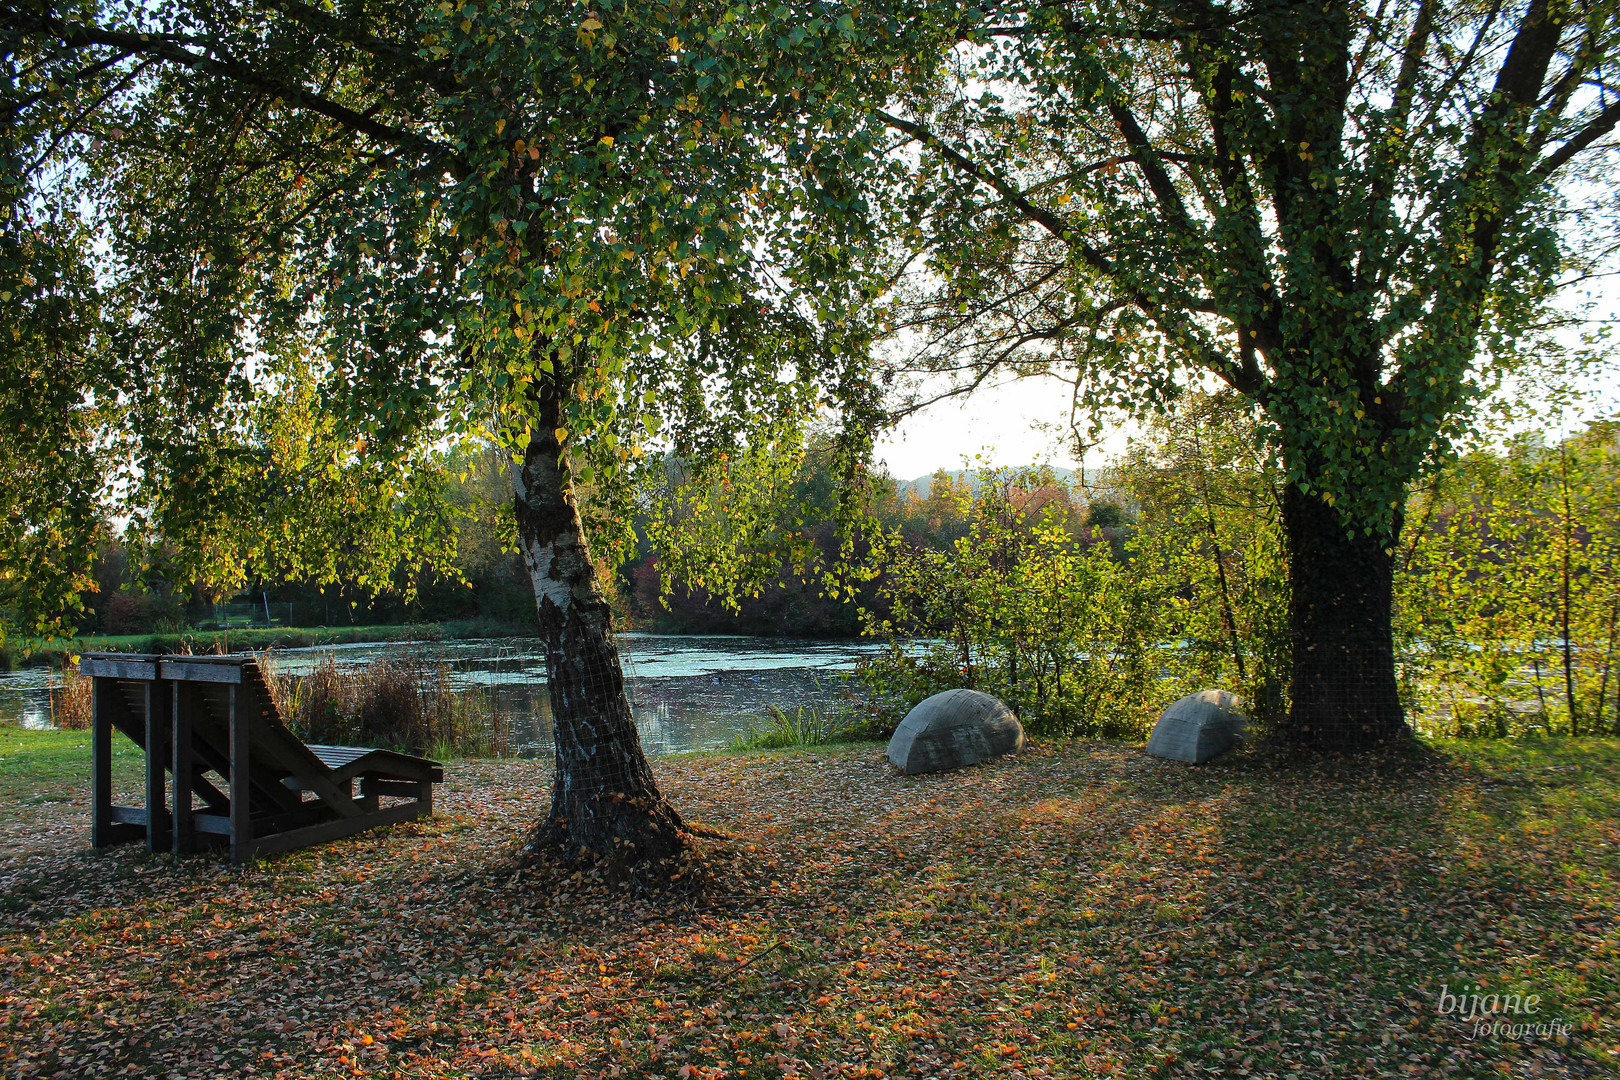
687 693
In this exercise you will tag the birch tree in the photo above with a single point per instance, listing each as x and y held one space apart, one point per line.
571 227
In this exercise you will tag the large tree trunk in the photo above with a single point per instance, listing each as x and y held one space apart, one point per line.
1344 693
604 799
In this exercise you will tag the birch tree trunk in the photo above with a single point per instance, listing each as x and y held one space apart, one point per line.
604 800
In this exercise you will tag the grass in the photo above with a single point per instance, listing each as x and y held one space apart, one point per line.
53 767
1080 910
811 725
54 652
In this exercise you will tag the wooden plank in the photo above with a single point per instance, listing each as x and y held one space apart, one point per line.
211 823
101 707
190 670
130 815
219 824
144 670
311 775
335 756
241 762
334 830
391 764
399 789
158 710
182 765
215 798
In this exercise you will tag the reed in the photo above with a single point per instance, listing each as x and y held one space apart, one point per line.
405 703
806 725
70 699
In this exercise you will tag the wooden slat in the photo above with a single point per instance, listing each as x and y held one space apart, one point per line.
399 789
130 815
333 830
393 765
211 823
158 712
219 824
241 764
190 670
334 756
182 765
101 762
144 670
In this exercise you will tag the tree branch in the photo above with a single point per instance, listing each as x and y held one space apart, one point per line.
1245 382
434 75
1598 127
82 35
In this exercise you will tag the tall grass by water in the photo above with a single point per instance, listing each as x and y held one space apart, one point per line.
407 703
69 698
812 725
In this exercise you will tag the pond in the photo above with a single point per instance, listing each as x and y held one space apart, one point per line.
687 693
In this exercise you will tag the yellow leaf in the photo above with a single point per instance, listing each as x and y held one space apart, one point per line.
500 125
591 24
606 140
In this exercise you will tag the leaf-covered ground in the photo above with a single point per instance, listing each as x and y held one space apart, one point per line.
1081 910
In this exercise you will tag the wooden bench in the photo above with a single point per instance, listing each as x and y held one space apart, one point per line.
208 724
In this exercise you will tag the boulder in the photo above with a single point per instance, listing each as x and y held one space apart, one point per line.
1198 727
953 729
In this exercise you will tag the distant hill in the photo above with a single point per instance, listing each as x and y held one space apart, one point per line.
922 485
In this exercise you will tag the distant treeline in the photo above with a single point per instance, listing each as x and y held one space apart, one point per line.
492 583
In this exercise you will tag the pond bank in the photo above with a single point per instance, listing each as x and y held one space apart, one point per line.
256 639
1080 910
686 693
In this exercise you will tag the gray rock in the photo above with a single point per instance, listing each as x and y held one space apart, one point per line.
953 729
1198 727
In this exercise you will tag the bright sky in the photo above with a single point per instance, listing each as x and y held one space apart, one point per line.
1025 422
1019 422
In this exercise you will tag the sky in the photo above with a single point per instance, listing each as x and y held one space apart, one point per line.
1018 422
1025 422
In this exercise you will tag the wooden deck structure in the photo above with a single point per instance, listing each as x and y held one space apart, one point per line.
212 736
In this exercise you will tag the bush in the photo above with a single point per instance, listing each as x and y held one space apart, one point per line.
141 613
127 613
1034 608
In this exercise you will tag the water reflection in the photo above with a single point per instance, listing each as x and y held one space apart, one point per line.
687 693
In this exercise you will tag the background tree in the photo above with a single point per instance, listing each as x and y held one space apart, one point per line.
1351 215
1510 584
569 227
1210 519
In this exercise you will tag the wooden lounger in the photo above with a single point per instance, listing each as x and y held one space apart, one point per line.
202 719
